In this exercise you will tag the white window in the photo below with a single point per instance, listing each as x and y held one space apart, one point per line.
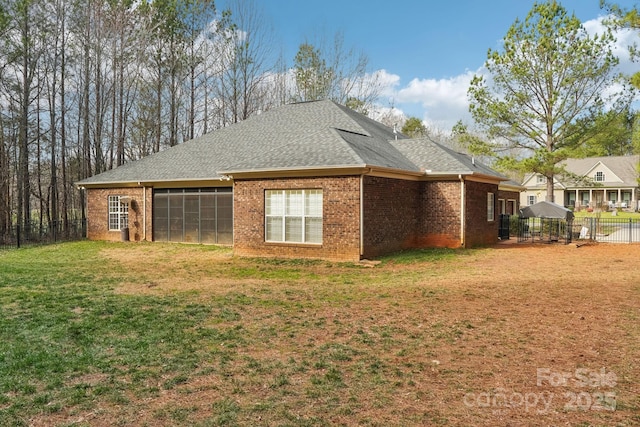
118 212
293 216
541 179
599 177
532 200
490 206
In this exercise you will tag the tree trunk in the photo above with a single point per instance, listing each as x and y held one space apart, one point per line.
24 187
86 140
41 206
63 134
121 124
53 184
4 183
550 196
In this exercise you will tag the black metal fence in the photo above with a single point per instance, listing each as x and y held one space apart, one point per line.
550 230
607 230
17 236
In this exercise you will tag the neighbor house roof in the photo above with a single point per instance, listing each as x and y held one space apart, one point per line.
316 135
623 167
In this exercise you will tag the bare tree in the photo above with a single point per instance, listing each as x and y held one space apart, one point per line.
250 62
335 72
22 55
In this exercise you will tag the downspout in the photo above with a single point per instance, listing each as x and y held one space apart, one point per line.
362 211
361 215
144 212
144 216
462 211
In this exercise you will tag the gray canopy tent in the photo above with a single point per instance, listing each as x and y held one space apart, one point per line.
545 222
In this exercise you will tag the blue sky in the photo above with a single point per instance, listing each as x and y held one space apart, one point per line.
428 49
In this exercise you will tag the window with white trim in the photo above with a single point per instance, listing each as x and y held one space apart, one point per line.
490 206
541 179
599 176
532 200
293 216
118 212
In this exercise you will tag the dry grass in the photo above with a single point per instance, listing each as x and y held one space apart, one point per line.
453 340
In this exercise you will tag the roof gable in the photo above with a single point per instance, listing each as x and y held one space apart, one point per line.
617 169
601 168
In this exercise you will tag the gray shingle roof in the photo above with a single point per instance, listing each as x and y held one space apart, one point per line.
320 134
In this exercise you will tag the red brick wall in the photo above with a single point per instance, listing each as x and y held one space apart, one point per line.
478 230
441 214
398 214
391 210
341 218
402 214
98 213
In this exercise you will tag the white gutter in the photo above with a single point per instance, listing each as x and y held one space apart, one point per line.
462 210
362 210
133 183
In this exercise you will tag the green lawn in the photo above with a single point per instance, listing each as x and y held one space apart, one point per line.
61 325
619 214
98 333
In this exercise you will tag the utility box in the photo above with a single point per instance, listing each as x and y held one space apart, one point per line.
124 234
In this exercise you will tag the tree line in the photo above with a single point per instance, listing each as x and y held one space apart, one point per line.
87 85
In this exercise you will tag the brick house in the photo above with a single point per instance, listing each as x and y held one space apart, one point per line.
312 179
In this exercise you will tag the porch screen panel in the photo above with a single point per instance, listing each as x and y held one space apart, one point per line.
161 217
224 214
197 215
176 217
192 218
208 218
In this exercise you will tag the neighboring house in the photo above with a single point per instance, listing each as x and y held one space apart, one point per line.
606 182
311 179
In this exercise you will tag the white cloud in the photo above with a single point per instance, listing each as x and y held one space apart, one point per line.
388 84
624 39
387 80
440 103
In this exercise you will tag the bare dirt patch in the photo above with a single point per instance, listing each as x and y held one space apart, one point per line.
511 335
